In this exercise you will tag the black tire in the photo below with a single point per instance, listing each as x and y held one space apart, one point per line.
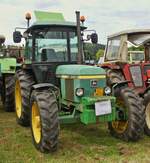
8 93
113 77
133 130
134 105
26 81
147 113
48 112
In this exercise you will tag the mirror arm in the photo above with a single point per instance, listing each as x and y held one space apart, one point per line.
90 30
19 28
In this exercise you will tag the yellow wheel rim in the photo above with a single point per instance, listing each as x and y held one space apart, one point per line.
18 98
36 123
147 113
121 125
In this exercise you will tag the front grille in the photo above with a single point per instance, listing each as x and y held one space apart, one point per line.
136 75
69 86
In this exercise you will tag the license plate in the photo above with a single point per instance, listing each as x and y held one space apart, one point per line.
102 108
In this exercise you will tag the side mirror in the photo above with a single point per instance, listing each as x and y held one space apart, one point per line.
17 36
94 38
2 39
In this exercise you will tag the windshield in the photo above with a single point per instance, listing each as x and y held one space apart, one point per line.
55 46
137 56
113 48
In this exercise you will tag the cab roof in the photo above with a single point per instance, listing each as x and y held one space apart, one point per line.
39 24
51 19
129 32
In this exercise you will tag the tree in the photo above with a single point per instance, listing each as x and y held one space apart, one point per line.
90 50
100 53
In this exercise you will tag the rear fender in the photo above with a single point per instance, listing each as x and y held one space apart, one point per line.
46 86
116 87
146 90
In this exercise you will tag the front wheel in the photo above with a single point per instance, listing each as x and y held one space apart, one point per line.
23 84
147 113
130 125
44 120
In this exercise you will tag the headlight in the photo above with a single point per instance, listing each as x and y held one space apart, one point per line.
79 92
107 90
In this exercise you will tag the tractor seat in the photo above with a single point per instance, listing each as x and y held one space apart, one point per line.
48 55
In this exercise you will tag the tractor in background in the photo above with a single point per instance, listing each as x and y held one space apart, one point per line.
7 71
135 74
54 85
16 52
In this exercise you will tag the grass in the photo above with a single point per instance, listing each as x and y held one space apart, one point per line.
77 143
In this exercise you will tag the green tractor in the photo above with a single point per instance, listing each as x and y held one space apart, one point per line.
53 86
7 71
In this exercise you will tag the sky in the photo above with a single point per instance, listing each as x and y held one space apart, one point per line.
105 16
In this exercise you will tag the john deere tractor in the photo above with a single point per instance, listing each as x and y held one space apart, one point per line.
53 86
7 71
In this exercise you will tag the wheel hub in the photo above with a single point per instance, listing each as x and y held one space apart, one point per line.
36 122
18 98
120 125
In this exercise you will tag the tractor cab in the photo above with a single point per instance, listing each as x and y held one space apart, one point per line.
53 44
128 52
52 41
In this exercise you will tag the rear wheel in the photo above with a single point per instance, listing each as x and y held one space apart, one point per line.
114 76
130 125
147 113
8 93
23 84
44 120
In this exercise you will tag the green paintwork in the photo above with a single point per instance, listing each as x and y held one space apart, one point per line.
8 65
78 109
88 89
84 105
79 70
88 114
73 118
82 83
85 111
51 19
48 16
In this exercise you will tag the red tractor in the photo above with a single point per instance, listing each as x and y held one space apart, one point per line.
123 73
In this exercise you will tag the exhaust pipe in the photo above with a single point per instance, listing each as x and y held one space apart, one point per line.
80 54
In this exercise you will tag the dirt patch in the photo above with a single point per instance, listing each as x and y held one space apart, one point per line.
3 141
125 150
